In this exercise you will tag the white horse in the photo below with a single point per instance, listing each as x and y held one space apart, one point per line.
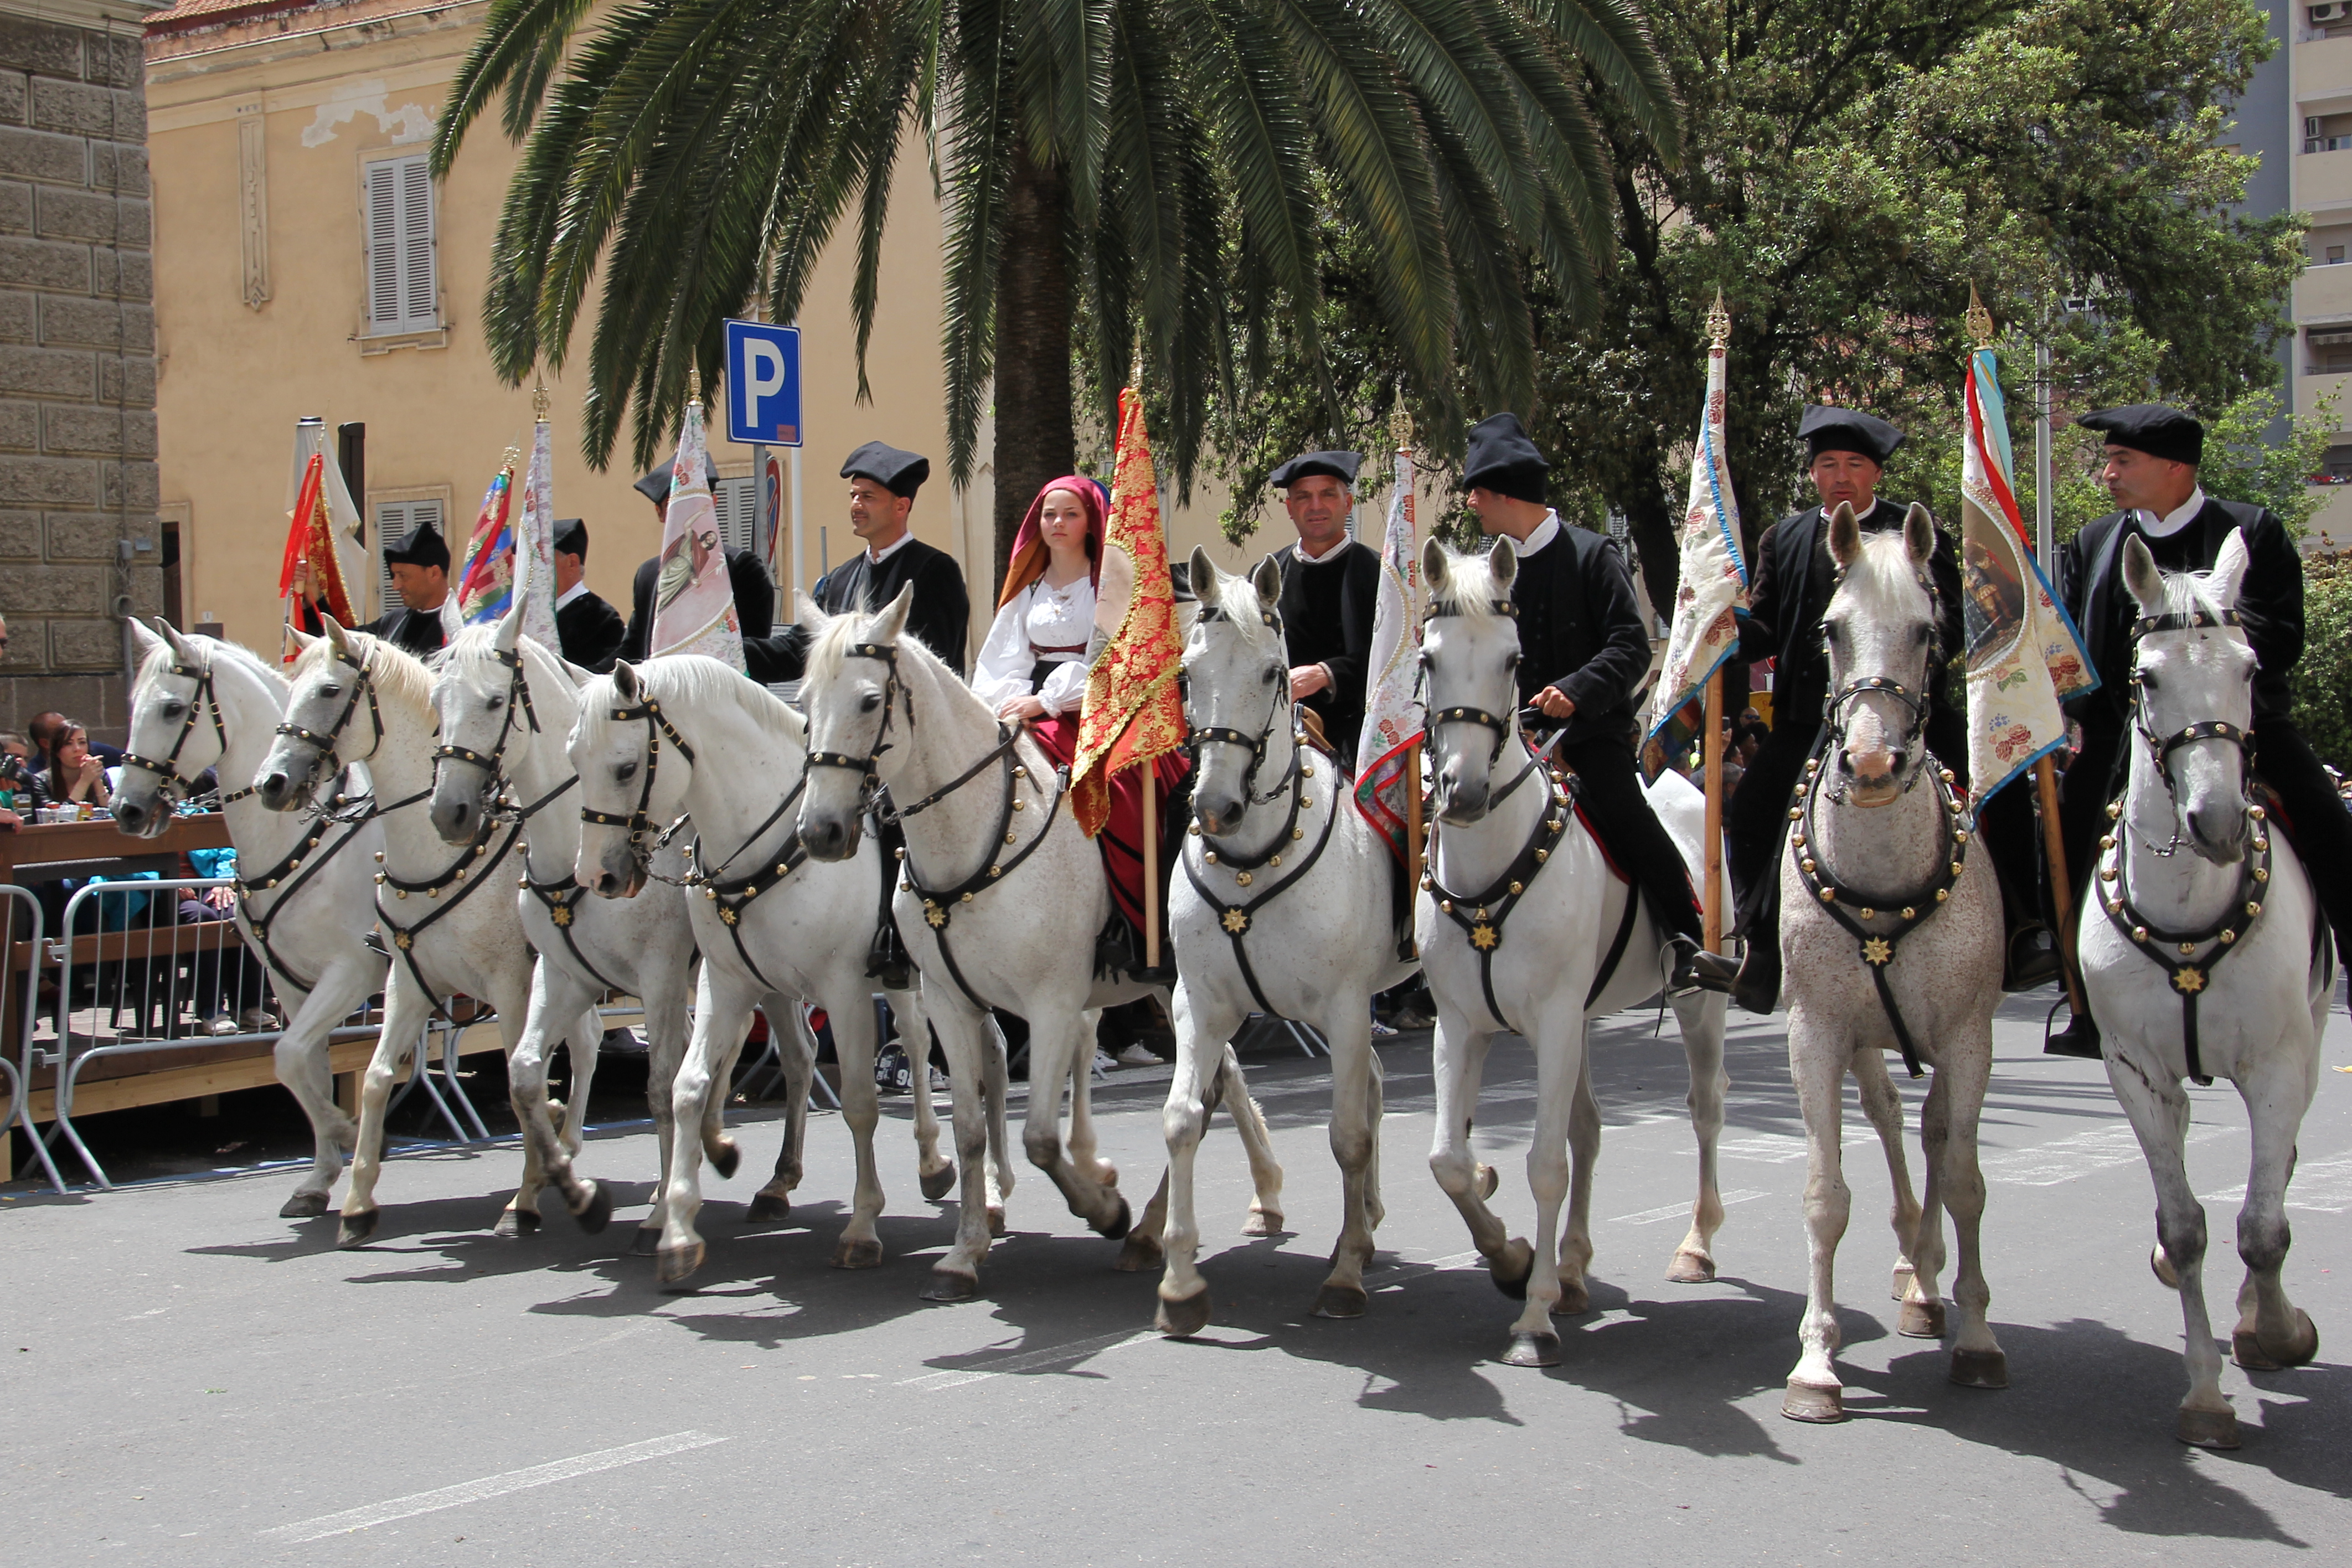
1000 899
2153 954
357 698
505 707
1313 941
1517 918
302 881
690 734
1890 934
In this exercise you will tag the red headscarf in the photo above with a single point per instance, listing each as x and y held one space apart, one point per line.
1030 551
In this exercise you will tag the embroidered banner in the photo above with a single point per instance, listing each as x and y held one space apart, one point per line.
694 600
1393 718
1713 589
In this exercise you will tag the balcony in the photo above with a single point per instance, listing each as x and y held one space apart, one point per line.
2322 180
2311 386
2324 293
2323 69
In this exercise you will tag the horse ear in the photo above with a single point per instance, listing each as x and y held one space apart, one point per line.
1267 581
625 681
2229 573
890 621
1503 561
180 647
2140 575
807 615
335 633
1202 574
300 639
1919 535
1433 567
147 641
1845 536
509 629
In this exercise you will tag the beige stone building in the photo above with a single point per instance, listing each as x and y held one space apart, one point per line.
311 267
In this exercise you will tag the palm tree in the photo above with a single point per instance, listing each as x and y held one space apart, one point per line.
1151 159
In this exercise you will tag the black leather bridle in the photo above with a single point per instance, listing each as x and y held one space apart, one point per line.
167 771
325 742
1198 734
2161 747
648 713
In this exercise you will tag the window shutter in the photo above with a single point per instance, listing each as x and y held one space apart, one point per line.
383 246
402 291
736 500
417 283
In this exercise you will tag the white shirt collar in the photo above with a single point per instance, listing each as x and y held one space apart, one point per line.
571 592
2173 521
1318 560
1543 534
875 557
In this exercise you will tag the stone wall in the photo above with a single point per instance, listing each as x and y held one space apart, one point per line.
77 474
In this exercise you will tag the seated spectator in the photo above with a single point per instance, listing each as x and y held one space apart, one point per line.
44 727
73 773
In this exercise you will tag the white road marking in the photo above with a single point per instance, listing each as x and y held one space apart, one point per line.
2065 1159
1029 1361
2320 1186
1397 1273
1680 1211
488 1486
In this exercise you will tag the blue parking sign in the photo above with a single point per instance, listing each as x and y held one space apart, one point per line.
763 384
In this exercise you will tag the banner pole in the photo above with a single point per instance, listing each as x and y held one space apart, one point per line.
1151 867
2045 783
1711 896
1414 830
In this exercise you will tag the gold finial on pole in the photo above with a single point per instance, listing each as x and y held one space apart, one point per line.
514 457
1401 428
1719 322
1135 369
1980 320
539 402
693 385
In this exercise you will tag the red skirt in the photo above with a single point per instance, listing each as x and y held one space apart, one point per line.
1121 839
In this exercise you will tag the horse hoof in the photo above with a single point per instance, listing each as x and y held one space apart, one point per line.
1263 1222
304 1206
996 1221
675 1266
1488 1182
597 1212
1812 1401
357 1228
647 1242
1142 1251
767 1208
725 1155
2247 1350
950 1285
1900 1286
515 1224
1575 1299
2208 1428
1921 1320
938 1183
1531 1347
1340 1302
1513 1270
1182 1319
2161 1265
1979 1369
1118 1224
865 1252
1691 1268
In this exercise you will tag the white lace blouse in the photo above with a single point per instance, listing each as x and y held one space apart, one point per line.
1039 617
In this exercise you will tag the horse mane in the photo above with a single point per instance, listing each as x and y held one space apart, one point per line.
1470 588
1238 597
2186 592
398 674
691 676
221 651
1884 564
479 645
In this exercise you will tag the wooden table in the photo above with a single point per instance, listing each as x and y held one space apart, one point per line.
47 852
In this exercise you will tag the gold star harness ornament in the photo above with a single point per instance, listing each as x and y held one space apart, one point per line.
1877 951
2177 951
1236 920
1483 936
560 914
2188 982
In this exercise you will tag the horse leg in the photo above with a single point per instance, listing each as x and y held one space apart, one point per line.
995 1085
1977 1358
1257 1144
796 1054
854 1040
963 1031
933 1170
1056 1040
2271 1331
1881 1102
1814 1393
1376 1099
554 993
666 1037
1454 1062
1201 1027
1701 1020
1921 1315
2160 1117
1355 1131
1584 1146
1559 1068
585 1041
520 1215
722 1014
1083 1143
405 1009
303 1067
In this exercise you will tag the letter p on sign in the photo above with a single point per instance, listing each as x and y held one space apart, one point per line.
763 384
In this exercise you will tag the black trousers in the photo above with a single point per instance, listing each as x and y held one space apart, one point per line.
1609 787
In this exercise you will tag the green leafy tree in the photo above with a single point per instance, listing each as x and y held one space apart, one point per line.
2323 680
1152 160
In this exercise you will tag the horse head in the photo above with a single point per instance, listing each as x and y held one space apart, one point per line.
1236 686
330 717
176 730
850 692
481 685
2193 679
1469 664
1879 632
616 746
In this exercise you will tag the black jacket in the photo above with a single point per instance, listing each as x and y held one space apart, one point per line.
416 632
1580 630
1328 607
2090 585
591 632
755 601
1790 586
941 615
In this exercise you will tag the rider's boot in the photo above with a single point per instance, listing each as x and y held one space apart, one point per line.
1757 985
1696 969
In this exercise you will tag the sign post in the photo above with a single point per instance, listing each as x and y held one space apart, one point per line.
764 410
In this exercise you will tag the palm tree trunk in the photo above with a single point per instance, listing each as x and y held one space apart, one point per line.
1036 440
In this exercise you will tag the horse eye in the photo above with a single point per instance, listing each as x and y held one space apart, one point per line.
626 772
330 692
1831 631
1272 675
174 710
872 700
497 704
1925 634
1512 662
2147 679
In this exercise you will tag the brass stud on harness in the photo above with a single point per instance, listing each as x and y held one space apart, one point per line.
2139 933
1960 836
2257 813
1794 814
1020 805
1242 878
1808 864
967 897
1211 857
1956 868
1828 895
1446 905
1273 860
1943 895
1542 855
1868 913
400 892
2187 948
379 878
1020 772
996 870
1516 888
2106 841
1304 804
1296 833
2115 809
1909 913
2227 934
1194 830
1008 837
2253 910
379 857
902 852
2262 873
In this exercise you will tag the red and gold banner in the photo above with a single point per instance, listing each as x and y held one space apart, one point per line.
309 536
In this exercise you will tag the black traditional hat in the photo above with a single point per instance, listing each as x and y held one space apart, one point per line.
1503 459
902 472
570 537
1828 429
2157 428
422 546
1340 466
655 487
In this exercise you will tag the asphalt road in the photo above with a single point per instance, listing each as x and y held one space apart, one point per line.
189 1380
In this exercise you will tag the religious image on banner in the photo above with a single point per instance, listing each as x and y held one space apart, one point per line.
323 530
2024 656
694 601
1393 716
485 591
1713 589
535 536
1132 713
